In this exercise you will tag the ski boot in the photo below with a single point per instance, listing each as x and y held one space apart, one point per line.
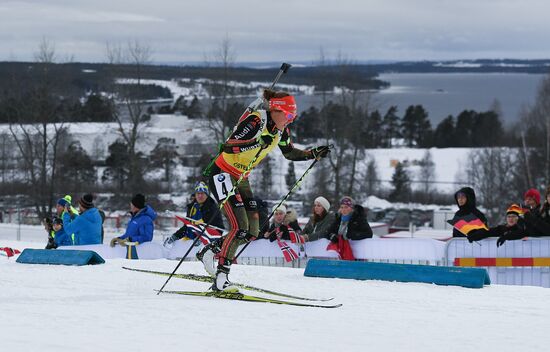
221 282
207 256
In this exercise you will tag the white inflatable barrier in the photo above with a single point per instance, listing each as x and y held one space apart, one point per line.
506 275
147 250
398 250
411 250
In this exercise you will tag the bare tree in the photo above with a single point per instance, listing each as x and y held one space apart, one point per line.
536 134
38 129
426 174
134 55
345 128
221 117
371 184
164 156
490 170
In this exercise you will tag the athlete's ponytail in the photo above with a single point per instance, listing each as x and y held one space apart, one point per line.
269 94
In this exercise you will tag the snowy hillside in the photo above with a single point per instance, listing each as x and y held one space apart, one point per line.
96 138
105 308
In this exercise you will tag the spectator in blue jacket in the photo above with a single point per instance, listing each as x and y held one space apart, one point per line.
86 227
140 227
60 237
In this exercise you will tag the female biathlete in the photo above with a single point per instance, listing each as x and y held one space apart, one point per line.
258 130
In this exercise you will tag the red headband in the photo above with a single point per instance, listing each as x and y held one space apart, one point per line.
285 104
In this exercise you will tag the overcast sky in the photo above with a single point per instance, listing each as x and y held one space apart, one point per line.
283 30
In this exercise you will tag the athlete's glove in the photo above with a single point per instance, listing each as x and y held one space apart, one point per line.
320 152
245 235
265 140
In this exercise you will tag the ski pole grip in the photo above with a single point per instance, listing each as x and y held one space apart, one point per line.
285 67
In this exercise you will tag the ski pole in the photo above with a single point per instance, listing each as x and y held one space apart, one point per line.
220 206
251 107
296 185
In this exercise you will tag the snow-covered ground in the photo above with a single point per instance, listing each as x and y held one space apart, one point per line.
105 308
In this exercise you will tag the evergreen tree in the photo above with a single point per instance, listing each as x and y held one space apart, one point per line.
416 127
444 134
465 124
390 127
76 169
194 110
401 184
181 105
488 131
374 130
164 156
96 109
371 178
308 124
117 170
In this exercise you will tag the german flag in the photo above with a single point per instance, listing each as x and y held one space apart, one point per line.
468 223
514 208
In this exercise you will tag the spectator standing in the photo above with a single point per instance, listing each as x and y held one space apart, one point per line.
465 198
535 224
62 203
86 227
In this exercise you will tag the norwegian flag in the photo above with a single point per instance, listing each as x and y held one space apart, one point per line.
9 252
343 248
296 238
208 236
289 253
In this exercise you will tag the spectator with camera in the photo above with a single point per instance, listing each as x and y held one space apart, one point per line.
57 236
85 228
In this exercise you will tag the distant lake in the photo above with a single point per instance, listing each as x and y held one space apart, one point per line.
444 94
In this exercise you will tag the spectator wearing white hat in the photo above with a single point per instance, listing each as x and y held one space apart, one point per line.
320 221
284 222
